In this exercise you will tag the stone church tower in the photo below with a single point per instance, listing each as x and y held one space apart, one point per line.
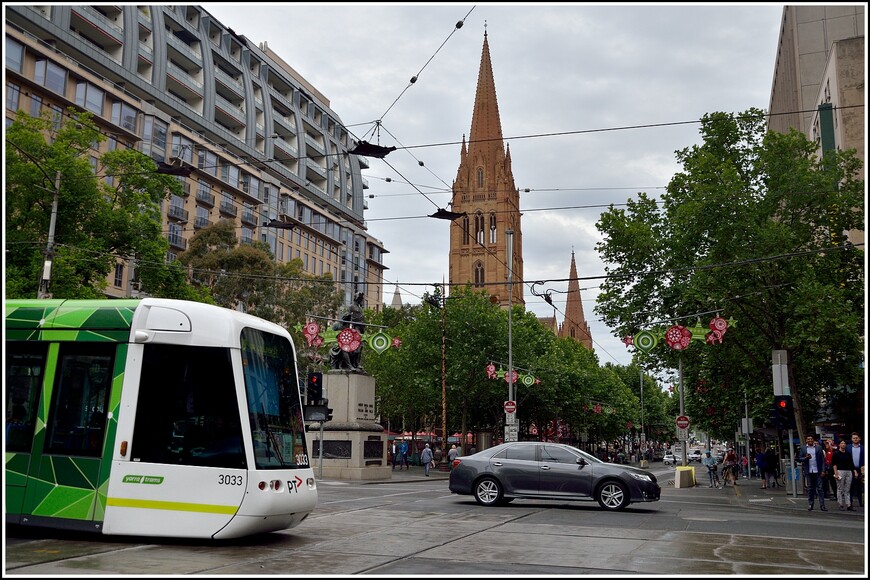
484 190
575 325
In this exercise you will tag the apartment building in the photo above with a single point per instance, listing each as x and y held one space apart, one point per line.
262 144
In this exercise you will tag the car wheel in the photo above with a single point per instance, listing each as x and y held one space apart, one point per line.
613 496
487 491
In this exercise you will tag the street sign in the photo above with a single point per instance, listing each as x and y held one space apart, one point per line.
511 433
682 422
510 418
510 406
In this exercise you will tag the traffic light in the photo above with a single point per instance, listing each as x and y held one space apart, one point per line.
314 389
783 412
328 414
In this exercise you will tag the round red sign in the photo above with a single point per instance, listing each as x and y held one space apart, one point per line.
510 406
682 422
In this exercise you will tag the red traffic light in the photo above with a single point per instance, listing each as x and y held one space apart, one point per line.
782 404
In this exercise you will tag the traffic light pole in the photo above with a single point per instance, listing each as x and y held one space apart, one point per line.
320 459
791 463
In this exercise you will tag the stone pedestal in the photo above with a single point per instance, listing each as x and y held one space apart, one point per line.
354 445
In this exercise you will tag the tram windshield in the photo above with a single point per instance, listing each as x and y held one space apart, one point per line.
274 405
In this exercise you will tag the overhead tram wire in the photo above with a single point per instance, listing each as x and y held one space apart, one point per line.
414 78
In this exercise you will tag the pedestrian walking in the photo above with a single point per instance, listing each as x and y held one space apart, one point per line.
812 457
844 468
857 450
451 455
761 467
403 455
729 468
394 453
427 459
830 482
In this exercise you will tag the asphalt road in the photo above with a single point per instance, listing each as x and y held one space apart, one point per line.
413 525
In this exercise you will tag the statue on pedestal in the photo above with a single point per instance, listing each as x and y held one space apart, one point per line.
345 354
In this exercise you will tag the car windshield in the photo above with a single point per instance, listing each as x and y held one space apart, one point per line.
586 456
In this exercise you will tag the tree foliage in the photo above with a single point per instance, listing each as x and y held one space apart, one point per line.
246 275
108 206
753 227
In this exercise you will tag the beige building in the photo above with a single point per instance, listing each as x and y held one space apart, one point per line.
818 82
262 144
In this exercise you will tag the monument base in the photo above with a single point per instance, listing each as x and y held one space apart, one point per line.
351 446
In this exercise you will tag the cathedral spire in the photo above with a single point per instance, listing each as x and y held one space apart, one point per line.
575 325
486 135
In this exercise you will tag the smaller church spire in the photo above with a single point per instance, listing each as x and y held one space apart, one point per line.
464 151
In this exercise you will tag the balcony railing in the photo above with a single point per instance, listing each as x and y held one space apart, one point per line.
228 209
176 241
178 213
249 218
205 197
201 222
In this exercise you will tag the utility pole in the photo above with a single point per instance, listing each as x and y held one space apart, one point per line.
45 282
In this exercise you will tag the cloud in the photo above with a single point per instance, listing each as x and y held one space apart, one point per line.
594 101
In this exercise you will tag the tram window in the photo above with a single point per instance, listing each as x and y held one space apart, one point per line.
25 369
187 413
77 417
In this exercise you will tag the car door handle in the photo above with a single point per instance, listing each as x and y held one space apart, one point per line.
545 467
497 463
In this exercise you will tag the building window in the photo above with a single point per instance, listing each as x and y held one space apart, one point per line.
56 117
35 105
89 97
478 228
182 148
492 228
207 161
230 174
154 138
50 75
478 274
124 115
479 177
14 55
13 94
466 232
119 275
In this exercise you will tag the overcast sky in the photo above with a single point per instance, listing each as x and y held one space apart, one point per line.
598 73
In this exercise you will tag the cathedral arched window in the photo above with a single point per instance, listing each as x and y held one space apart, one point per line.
478 227
492 229
466 233
478 274
480 177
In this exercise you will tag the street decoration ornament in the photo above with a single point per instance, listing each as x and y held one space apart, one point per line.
348 339
680 337
524 379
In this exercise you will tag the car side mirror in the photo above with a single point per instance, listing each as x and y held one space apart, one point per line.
581 461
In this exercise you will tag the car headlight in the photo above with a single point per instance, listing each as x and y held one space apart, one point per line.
641 476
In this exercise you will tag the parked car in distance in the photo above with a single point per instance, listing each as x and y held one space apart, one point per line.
694 455
543 470
669 459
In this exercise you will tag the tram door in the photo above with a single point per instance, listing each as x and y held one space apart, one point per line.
24 374
67 470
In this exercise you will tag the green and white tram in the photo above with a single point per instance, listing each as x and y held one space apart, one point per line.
152 418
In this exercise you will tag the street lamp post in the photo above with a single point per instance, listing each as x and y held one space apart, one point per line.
510 431
444 466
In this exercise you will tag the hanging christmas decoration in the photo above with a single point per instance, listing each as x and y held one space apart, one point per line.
348 339
679 337
524 379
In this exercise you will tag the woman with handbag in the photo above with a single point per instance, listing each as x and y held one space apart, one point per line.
427 459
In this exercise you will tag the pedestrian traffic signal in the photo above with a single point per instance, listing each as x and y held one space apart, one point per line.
314 389
783 412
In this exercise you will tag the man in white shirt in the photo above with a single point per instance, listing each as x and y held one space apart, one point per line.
813 458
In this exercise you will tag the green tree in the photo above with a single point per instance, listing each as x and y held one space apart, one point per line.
108 207
247 275
753 228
